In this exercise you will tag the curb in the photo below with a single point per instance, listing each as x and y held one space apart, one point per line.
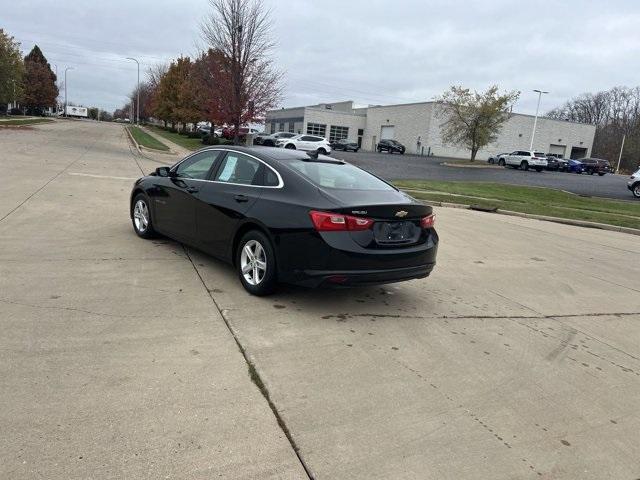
480 165
133 140
564 221
140 148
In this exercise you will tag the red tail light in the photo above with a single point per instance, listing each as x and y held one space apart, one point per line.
335 222
428 222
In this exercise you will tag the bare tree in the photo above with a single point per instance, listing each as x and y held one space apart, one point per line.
471 119
615 112
241 31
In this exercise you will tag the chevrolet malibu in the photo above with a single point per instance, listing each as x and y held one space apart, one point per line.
288 216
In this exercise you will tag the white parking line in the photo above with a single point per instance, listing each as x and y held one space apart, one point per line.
101 176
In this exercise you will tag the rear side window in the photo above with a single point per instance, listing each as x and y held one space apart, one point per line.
538 154
239 168
270 178
338 175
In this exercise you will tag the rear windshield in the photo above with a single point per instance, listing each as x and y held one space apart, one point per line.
338 175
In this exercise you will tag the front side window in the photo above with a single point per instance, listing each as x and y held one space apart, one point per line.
338 133
239 168
316 129
198 165
338 175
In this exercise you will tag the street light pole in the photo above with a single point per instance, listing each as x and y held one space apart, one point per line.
137 91
535 120
65 89
620 156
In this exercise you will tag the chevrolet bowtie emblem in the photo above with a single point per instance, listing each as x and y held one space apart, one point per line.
401 214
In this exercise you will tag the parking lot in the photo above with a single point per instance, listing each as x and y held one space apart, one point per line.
518 358
408 167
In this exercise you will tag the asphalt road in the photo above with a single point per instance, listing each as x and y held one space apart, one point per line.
405 167
127 358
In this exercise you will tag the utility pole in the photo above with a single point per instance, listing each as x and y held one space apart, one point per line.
535 120
65 89
621 149
138 92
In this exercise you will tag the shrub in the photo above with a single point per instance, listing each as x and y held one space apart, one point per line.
210 139
194 134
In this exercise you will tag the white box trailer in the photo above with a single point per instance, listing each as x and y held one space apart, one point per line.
76 112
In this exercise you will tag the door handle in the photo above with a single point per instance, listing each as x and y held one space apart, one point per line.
192 189
241 198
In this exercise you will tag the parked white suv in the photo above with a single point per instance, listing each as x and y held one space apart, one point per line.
634 183
524 159
307 143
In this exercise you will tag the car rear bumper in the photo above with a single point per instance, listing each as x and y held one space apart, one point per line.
354 278
338 261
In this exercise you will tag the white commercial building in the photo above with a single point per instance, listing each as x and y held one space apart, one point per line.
417 127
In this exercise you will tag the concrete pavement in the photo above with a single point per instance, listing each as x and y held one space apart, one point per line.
114 361
518 358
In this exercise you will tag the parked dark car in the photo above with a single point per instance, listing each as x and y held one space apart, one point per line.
281 215
596 165
345 145
390 146
563 164
575 166
270 140
553 164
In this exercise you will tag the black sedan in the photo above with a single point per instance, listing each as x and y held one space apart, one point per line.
345 145
288 216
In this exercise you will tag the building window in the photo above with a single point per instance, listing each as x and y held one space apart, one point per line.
291 127
273 127
338 133
281 127
316 129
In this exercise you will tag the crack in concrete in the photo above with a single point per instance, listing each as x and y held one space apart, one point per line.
253 372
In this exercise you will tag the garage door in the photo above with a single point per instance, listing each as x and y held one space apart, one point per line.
386 132
557 150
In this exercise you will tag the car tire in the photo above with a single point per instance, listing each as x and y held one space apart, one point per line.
290 146
355 150
538 169
322 151
636 190
501 162
255 280
141 217
602 173
379 150
524 165
491 161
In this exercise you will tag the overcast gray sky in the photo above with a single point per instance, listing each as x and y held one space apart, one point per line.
369 51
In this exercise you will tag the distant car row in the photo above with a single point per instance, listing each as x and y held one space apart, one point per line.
538 161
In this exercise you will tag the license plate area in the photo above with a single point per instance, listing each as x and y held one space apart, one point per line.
396 233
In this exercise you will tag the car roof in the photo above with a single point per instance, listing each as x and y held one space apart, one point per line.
265 153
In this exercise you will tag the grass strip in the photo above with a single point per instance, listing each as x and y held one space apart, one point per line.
531 200
146 140
182 140
23 121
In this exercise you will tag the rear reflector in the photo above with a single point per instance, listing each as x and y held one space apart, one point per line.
428 222
335 222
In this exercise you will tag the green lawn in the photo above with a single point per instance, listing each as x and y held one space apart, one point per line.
533 200
182 140
23 121
146 140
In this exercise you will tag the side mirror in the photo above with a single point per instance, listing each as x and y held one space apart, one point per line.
163 171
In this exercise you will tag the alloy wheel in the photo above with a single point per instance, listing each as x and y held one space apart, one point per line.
636 191
253 262
141 216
